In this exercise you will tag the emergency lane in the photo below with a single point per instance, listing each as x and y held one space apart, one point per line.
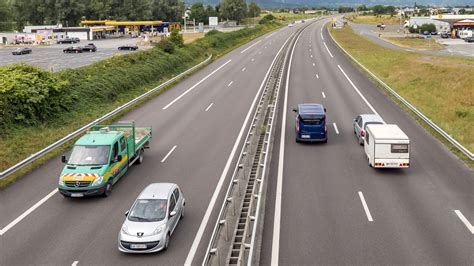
334 208
62 231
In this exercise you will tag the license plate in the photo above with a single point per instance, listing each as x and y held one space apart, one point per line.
77 195
305 136
392 164
138 246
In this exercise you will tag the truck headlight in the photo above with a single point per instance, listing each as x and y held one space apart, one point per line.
61 182
159 229
97 180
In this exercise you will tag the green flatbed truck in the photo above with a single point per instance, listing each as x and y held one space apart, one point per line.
101 157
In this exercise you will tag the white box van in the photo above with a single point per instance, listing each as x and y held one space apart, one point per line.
386 146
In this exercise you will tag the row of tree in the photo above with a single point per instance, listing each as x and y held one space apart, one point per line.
18 13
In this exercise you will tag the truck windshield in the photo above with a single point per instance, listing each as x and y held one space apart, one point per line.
89 155
148 210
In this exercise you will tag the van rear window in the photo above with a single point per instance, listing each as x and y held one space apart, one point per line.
399 148
312 121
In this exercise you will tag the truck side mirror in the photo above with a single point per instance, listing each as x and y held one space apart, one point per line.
63 159
118 158
294 110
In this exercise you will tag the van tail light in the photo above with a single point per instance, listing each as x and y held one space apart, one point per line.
362 133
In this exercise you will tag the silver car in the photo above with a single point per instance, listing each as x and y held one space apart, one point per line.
152 219
360 124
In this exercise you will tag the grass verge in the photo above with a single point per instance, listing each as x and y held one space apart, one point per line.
415 42
103 86
372 19
439 86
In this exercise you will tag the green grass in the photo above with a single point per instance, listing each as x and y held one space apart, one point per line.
103 86
414 42
439 86
287 17
372 19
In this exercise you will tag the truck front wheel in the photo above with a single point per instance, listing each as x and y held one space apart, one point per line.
108 189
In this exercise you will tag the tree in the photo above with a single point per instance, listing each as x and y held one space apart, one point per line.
362 8
176 38
198 13
233 9
5 16
211 12
254 10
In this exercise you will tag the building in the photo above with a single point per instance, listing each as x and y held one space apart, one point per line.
456 23
440 25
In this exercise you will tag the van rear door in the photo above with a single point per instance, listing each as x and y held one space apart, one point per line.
312 126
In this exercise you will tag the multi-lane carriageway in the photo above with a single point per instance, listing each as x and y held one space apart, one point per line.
324 204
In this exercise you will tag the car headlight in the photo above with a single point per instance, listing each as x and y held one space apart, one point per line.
61 182
125 230
159 229
97 180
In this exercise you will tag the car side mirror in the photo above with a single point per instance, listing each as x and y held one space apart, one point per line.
325 109
294 110
63 159
118 158
126 213
172 213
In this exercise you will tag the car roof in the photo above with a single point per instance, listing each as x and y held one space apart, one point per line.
310 109
371 118
157 191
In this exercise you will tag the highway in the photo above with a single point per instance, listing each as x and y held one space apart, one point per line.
326 206
197 127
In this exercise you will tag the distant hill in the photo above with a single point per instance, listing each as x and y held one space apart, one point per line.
336 3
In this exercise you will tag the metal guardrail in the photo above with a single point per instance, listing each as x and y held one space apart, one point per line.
76 133
443 133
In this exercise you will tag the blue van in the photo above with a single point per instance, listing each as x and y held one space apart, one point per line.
311 123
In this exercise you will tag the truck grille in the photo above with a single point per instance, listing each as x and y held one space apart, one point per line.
78 183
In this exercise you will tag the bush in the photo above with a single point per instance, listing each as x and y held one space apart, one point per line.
29 95
166 46
176 38
266 19
428 27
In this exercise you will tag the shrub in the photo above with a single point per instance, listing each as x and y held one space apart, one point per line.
166 46
176 38
428 27
266 19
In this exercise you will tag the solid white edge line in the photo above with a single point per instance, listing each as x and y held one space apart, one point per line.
75 263
209 107
357 90
271 35
230 83
279 188
465 221
27 212
328 49
324 95
245 50
335 127
169 153
207 214
195 85
366 208
322 37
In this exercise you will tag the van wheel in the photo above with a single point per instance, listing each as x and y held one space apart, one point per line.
167 242
140 156
108 189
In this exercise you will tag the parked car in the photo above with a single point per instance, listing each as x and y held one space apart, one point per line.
469 39
73 49
128 47
361 122
68 40
76 39
444 35
152 219
89 48
22 51
311 123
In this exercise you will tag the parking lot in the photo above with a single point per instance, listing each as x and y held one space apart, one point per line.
53 58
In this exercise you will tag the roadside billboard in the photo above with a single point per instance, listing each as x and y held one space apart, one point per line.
213 21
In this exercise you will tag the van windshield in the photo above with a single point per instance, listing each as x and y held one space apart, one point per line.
148 210
89 155
312 121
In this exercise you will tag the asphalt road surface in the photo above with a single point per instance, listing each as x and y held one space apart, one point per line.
203 116
326 206
52 57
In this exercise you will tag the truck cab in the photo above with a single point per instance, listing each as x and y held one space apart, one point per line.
311 123
100 157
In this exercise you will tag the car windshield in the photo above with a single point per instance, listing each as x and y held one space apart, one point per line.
89 155
148 210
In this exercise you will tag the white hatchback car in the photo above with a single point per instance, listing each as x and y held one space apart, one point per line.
152 219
